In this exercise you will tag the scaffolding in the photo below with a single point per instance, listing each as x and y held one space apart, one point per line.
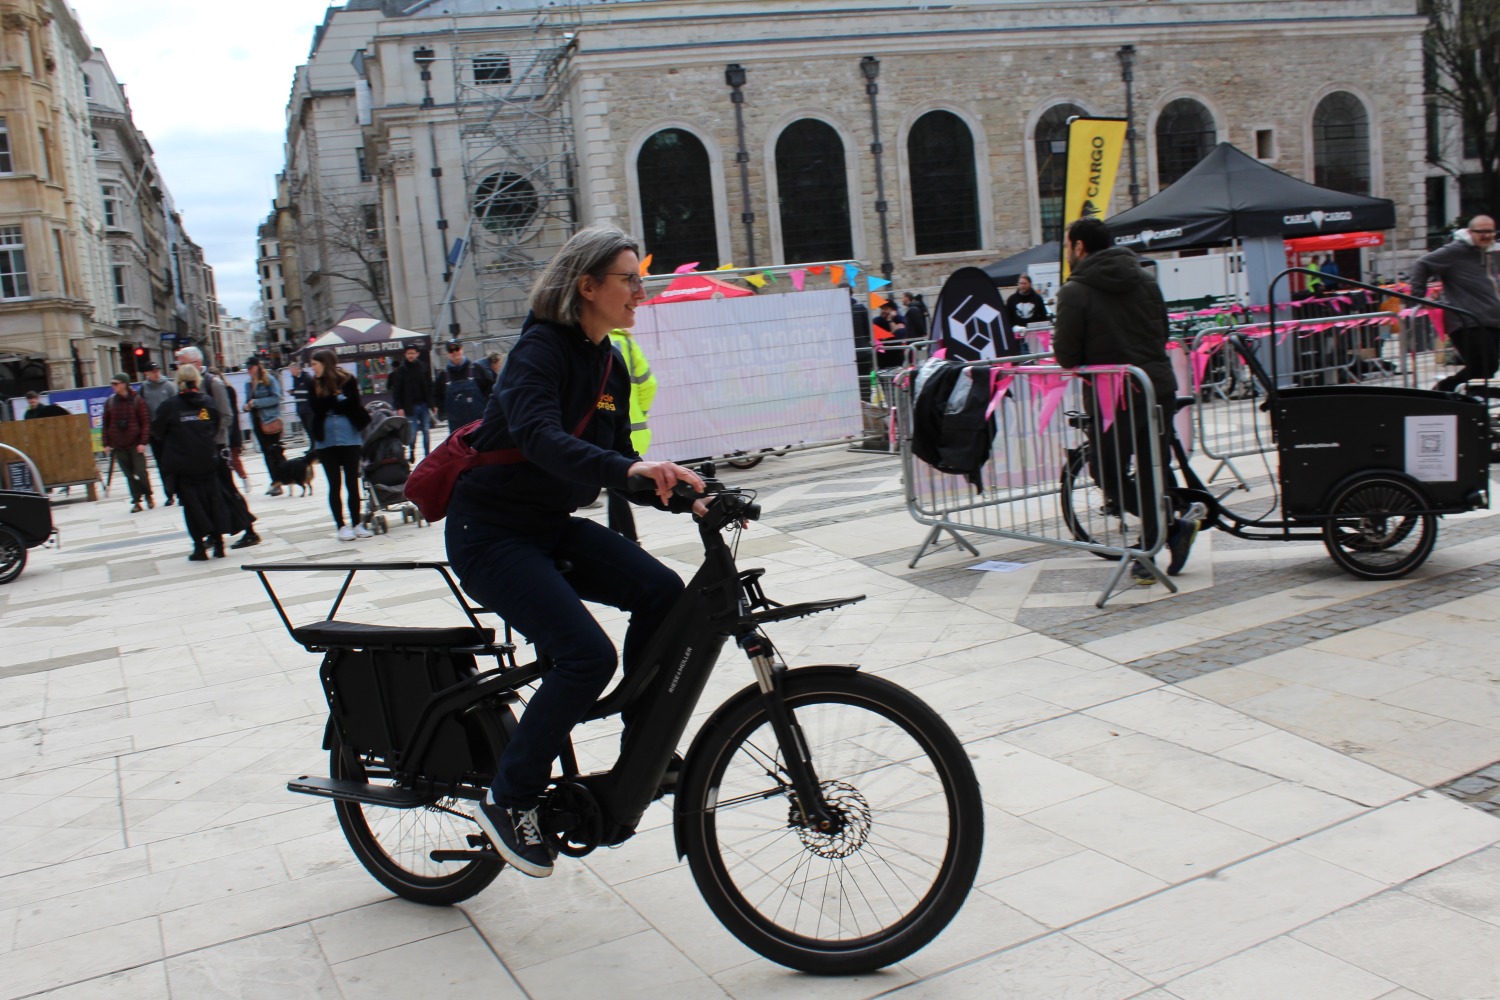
519 159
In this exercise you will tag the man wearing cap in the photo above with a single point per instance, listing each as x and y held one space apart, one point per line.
156 390
37 409
463 388
127 431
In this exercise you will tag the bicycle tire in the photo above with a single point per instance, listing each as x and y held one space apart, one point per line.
872 744
1082 499
393 844
1374 535
12 554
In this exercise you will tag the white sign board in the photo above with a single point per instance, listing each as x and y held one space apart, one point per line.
1432 448
745 374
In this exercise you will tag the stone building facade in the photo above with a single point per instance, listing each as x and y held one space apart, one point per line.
921 138
92 257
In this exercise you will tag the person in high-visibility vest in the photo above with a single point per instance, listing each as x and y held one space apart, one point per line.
642 395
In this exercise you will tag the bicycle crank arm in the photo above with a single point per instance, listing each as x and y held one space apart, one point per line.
485 855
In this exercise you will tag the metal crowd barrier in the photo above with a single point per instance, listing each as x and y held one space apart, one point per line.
1047 420
1381 348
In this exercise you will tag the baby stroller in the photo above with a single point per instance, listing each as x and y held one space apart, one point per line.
384 469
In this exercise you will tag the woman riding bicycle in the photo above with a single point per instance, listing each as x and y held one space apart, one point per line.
561 406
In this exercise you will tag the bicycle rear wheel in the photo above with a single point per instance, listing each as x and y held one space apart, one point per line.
1085 509
395 845
1376 532
869 893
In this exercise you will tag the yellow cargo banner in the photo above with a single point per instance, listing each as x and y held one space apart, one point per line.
1094 148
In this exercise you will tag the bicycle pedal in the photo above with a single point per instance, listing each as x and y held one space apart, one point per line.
1196 511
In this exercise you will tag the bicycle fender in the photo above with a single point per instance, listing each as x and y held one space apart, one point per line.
749 692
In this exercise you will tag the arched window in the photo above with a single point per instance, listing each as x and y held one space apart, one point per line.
1050 141
1341 144
1185 134
814 193
677 201
944 197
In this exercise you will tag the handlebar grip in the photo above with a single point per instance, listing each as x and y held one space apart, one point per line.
751 512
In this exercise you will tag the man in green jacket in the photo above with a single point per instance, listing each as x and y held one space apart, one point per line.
642 395
1111 312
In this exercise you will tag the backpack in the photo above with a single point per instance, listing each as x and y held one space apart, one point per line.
950 430
463 400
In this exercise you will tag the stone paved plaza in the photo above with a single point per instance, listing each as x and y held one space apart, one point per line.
1272 784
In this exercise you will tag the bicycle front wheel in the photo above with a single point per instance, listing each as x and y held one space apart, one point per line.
1087 512
909 833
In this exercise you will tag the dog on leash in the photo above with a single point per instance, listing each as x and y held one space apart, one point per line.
297 472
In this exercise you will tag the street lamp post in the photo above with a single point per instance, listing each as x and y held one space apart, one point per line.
870 67
424 58
1127 74
734 76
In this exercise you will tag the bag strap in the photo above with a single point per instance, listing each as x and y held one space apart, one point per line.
513 456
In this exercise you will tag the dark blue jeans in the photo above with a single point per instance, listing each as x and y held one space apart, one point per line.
421 422
515 575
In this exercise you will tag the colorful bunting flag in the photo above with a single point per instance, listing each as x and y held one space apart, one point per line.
646 265
724 267
799 278
684 269
836 274
756 280
769 276
853 272
817 270
877 300
875 282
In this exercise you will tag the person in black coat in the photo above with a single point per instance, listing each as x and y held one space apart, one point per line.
914 313
188 427
412 395
562 411
1025 306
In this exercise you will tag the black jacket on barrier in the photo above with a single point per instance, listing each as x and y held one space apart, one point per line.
1110 311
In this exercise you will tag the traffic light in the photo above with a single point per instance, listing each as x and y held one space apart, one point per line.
140 354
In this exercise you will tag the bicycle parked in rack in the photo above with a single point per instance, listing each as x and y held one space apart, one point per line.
830 818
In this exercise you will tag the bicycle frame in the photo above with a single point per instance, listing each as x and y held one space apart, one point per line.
719 603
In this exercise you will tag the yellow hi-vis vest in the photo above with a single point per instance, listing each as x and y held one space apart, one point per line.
642 388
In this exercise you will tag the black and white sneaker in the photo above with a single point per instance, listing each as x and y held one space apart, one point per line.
517 835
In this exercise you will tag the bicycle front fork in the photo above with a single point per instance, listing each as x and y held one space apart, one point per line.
770 676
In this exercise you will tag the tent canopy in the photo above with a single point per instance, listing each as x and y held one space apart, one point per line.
692 287
1009 270
1334 241
1230 195
357 335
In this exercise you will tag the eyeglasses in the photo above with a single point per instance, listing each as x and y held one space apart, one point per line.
635 281
1482 232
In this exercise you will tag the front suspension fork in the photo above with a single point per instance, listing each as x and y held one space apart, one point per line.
771 677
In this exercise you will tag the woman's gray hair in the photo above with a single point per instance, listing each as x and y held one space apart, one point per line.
554 297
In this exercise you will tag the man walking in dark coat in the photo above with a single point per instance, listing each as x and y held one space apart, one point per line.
1111 312
411 394
126 432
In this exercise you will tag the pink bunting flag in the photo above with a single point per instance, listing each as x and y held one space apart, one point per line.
1000 380
684 269
798 276
1109 388
1052 387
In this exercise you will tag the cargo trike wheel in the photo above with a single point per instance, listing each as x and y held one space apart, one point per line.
12 555
1377 531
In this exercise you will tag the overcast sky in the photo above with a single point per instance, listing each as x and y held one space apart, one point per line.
208 83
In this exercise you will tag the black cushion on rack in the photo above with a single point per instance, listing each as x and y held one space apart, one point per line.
354 635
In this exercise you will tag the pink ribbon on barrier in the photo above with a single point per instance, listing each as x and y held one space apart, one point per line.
1001 376
1052 386
1109 387
1206 349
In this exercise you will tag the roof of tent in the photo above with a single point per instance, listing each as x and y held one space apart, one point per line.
1230 195
1008 270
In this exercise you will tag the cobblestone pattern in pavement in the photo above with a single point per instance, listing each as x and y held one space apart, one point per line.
1480 789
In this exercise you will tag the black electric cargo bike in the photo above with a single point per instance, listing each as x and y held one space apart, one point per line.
831 819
